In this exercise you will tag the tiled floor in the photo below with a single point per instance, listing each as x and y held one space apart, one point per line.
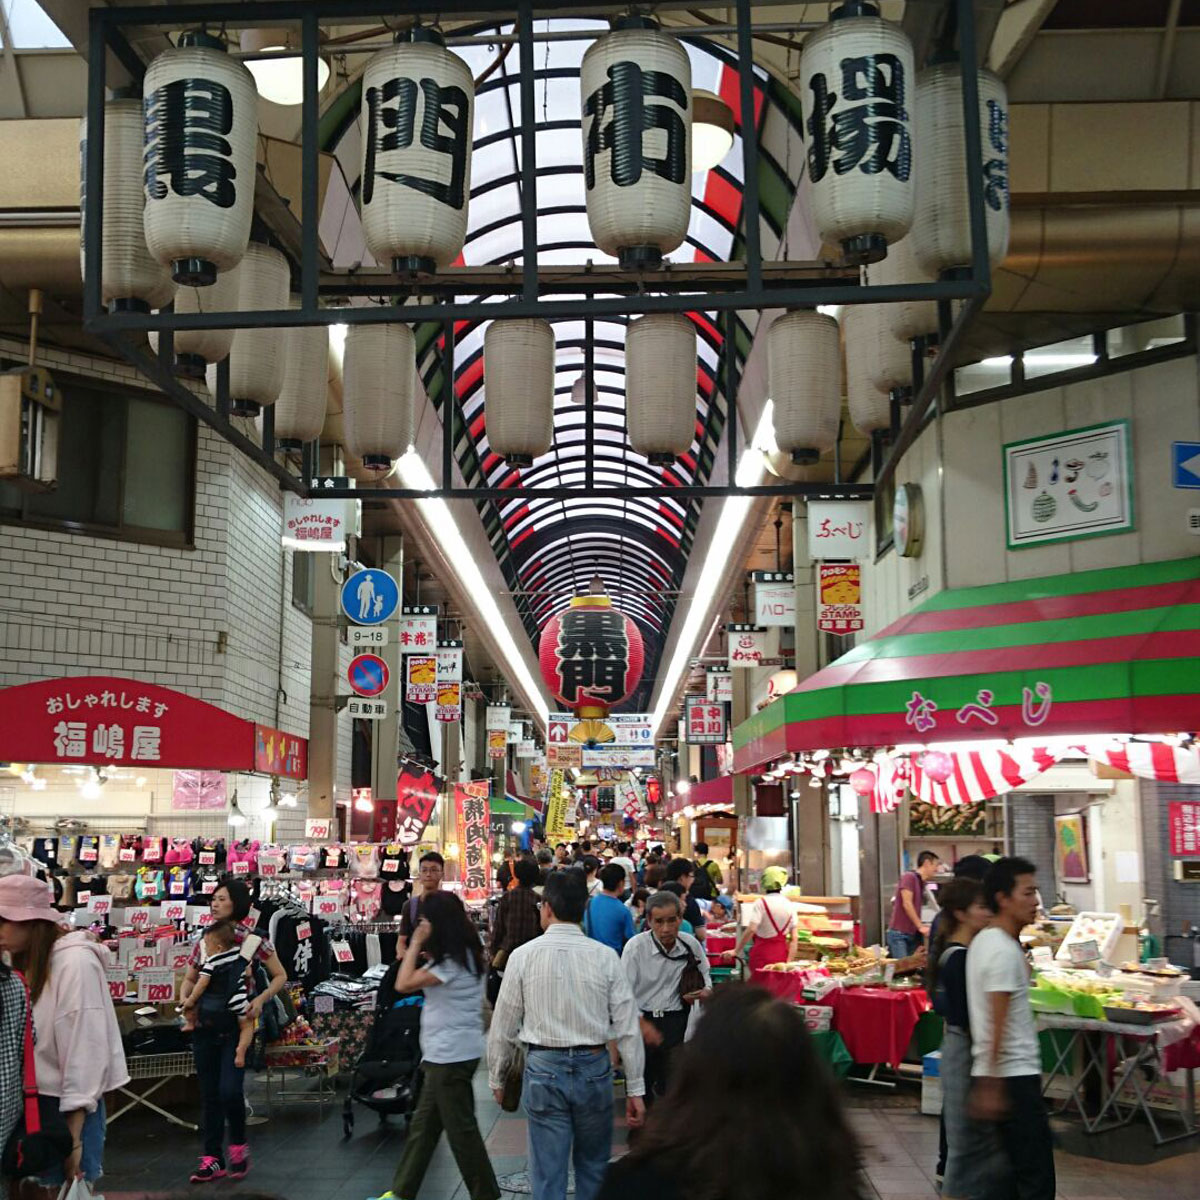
299 1154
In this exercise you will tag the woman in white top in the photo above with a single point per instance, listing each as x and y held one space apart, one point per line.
770 923
452 1043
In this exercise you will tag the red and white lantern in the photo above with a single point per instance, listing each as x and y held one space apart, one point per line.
591 656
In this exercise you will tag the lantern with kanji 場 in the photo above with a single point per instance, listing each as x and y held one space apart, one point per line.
201 131
591 656
856 77
636 86
418 102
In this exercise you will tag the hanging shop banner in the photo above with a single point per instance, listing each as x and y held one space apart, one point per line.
449 702
320 525
418 629
449 662
704 723
516 732
618 756
570 755
556 808
420 672
1074 484
104 720
747 645
498 718
618 729
1184 823
839 529
538 778
497 743
199 791
472 810
839 598
417 794
527 748
774 598
718 685
279 753
630 795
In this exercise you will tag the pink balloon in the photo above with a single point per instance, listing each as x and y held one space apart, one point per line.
863 781
938 765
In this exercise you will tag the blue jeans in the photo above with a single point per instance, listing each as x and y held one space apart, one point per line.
91 1161
568 1097
901 945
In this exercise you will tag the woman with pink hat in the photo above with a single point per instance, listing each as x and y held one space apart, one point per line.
78 1055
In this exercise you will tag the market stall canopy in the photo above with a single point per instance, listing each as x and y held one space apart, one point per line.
1098 652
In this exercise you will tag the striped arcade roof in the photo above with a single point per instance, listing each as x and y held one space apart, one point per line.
1111 651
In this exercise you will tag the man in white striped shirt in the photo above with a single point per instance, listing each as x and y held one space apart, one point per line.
565 997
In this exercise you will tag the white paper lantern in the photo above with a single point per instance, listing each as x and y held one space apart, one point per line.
201 126
862 324
660 386
418 103
518 378
256 359
131 279
907 319
379 375
636 92
804 358
941 232
300 409
196 348
857 79
886 360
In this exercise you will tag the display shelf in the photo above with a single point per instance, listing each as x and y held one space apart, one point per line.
950 837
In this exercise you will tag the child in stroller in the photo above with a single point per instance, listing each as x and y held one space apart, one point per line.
386 1077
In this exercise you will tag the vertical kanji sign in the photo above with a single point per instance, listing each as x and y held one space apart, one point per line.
472 810
1185 828
704 722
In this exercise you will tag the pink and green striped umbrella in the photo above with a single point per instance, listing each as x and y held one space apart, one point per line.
1112 651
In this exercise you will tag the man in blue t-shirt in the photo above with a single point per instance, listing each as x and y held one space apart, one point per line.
606 918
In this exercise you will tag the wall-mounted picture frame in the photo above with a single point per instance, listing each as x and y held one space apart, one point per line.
1070 849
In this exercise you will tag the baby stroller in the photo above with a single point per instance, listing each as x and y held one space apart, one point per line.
386 1077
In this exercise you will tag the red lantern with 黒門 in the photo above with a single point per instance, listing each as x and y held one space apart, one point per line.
591 655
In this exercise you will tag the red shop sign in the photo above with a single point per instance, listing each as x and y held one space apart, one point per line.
1184 820
102 720
279 753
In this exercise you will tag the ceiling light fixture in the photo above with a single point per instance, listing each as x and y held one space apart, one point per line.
440 522
237 818
279 79
712 130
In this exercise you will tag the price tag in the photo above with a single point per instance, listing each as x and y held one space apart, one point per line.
206 919
333 858
179 958
143 960
139 918
207 858
303 931
178 887
1084 952
316 828
1042 956
83 897
1104 970
252 919
391 865
267 867
240 868
328 906
342 952
88 854
156 985
152 852
118 981
207 887
173 910
127 854
100 905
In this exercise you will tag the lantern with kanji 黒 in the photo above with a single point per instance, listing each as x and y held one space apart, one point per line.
591 656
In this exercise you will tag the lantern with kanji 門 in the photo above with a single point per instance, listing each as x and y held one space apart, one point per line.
418 103
591 656
201 130
636 86
856 77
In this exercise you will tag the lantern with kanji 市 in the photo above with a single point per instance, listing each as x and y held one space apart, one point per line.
591 656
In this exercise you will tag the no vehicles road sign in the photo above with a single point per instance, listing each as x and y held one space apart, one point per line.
368 675
369 597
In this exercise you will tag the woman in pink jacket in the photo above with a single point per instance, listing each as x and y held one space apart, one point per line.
78 1055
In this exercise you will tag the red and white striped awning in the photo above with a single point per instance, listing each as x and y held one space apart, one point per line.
1150 760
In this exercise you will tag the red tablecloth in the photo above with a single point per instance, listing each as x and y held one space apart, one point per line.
717 943
1183 1054
876 1023
788 985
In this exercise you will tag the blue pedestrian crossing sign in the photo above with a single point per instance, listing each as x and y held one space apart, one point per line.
370 596
1185 464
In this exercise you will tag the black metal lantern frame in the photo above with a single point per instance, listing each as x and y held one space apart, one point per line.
548 292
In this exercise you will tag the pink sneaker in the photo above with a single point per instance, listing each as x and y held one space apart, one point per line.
209 1168
239 1161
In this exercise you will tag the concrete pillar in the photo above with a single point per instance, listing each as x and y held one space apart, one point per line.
322 713
808 640
385 734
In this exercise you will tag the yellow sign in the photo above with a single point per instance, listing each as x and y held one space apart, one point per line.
556 809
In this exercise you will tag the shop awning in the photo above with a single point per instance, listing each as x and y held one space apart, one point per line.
1111 651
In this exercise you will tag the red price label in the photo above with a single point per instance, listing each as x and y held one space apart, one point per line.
116 988
139 918
328 906
177 887
342 952
127 854
391 864
316 828
82 897
160 993
267 867
207 858
101 905
181 958
88 854
333 858
142 962
174 910
240 868
303 932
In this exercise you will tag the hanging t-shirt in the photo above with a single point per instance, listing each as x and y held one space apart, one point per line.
996 963
393 862
333 858
452 1021
305 959
393 897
